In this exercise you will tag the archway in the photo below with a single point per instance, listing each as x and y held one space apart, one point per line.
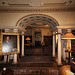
33 18
38 20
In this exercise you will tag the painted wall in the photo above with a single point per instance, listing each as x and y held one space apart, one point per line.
44 32
63 18
28 32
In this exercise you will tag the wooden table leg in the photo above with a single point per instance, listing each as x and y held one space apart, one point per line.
19 60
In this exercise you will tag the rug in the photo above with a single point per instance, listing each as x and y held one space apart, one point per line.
36 71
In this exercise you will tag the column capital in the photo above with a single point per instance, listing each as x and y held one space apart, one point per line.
54 33
15 30
22 33
7 30
59 31
69 30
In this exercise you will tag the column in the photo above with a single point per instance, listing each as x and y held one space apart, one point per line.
22 44
15 55
15 59
54 39
5 58
64 47
64 54
59 46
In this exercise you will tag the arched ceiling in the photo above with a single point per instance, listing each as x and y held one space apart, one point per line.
37 20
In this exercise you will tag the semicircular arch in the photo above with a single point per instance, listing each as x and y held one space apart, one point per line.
37 19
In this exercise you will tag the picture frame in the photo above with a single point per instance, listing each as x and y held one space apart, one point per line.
10 43
37 34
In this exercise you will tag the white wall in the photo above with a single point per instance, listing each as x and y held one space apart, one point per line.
63 18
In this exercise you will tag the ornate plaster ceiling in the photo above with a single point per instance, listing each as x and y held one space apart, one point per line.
37 20
35 4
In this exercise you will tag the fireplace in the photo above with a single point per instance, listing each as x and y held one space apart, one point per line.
37 43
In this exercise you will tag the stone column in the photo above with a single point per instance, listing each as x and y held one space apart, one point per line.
22 44
59 46
15 55
5 58
64 47
54 40
64 54
15 59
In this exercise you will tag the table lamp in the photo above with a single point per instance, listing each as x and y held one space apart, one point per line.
27 39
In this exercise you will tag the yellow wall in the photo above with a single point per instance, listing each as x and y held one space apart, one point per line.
44 32
63 18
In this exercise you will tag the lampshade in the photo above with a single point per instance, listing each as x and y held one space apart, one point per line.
27 38
68 36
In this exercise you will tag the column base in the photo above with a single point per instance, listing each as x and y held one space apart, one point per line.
54 56
22 55
14 63
60 64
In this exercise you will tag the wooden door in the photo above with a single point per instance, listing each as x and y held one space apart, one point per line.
48 44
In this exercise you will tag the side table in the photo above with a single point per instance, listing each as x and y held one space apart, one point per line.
8 71
69 54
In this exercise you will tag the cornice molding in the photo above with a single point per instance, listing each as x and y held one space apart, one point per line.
66 27
8 27
38 10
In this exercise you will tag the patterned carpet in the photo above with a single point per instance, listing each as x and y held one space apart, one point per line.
37 59
36 71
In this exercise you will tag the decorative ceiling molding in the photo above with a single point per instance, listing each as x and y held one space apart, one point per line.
66 27
30 20
38 10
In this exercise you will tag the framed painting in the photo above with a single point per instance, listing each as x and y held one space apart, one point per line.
10 43
37 34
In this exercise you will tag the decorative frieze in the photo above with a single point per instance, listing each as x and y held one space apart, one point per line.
38 10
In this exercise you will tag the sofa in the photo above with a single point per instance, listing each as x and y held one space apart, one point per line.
65 70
